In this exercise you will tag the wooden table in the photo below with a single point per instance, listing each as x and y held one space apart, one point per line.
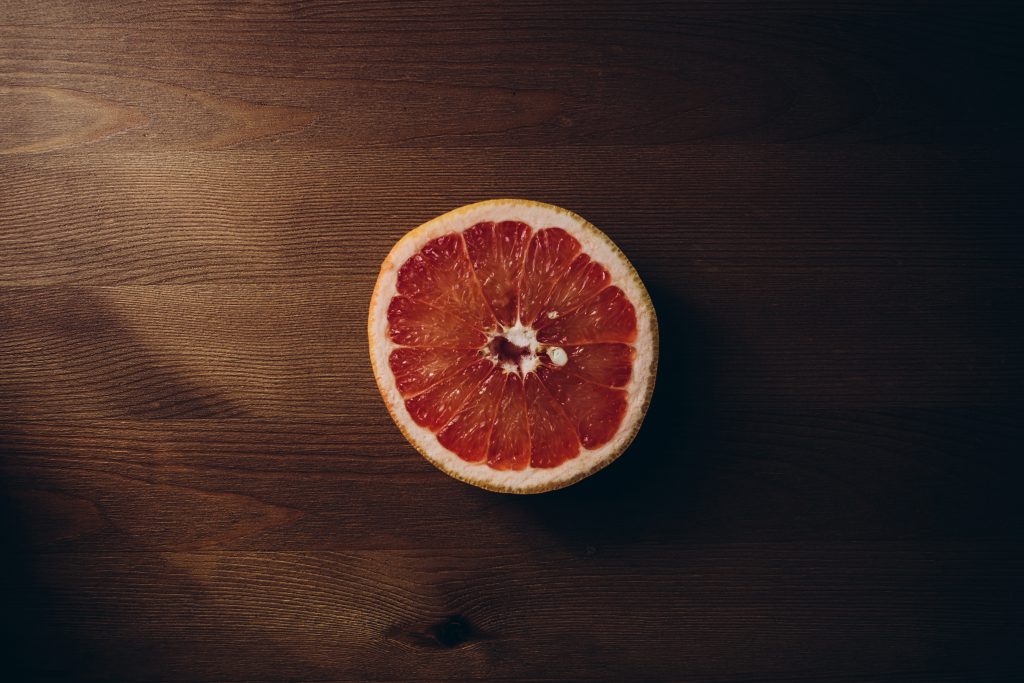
199 481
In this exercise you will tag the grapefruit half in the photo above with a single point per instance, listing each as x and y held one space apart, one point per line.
514 345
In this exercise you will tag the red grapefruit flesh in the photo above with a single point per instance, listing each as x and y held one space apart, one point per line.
548 257
468 434
607 364
553 438
510 442
496 252
514 345
596 411
580 282
415 323
437 405
606 317
417 369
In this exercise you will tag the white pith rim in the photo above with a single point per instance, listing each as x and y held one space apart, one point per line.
601 249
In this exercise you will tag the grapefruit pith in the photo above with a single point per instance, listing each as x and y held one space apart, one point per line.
514 345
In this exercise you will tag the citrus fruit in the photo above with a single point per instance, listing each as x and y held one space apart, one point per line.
514 345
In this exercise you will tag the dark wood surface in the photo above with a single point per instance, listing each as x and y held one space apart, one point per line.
199 481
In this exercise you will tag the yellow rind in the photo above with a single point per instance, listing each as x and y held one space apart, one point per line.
652 370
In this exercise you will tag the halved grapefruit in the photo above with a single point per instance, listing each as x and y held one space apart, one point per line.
514 345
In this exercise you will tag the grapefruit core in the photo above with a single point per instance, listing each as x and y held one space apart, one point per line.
514 345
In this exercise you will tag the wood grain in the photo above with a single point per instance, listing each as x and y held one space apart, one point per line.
313 75
739 476
199 481
220 351
259 217
220 616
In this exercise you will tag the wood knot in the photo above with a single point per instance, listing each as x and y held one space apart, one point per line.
446 634
451 631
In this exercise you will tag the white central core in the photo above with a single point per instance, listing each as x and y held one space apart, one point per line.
521 335
524 340
524 337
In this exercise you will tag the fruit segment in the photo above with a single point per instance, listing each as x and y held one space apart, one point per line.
437 405
468 433
583 280
417 369
510 439
548 256
553 438
496 251
596 411
411 323
607 364
440 275
608 317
